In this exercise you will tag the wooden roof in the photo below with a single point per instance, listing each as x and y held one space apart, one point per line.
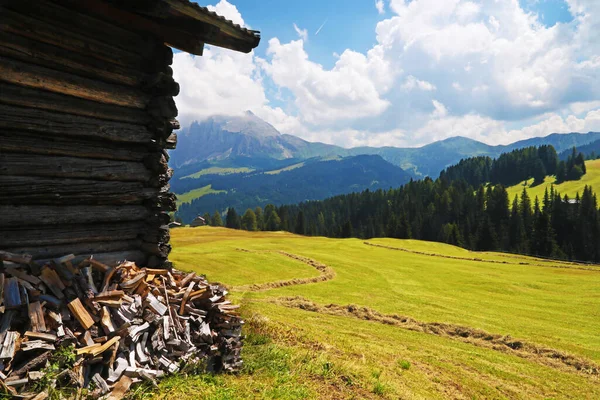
181 24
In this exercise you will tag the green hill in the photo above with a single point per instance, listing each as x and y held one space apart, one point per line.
337 319
570 188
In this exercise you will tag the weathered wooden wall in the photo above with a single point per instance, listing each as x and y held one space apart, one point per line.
86 116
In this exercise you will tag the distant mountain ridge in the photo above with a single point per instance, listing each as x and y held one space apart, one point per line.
247 139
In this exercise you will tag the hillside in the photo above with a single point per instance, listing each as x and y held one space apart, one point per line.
588 150
313 179
570 188
343 337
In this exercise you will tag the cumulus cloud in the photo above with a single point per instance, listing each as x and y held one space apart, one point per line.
437 69
414 83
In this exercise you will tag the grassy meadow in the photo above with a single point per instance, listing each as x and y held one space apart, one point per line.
188 197
399 319
570 188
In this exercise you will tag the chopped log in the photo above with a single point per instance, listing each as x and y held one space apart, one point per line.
53 282
17 258
31 364
82 315
12 296
36 317
72 168
17 382
186 296
43 395
36 345
43 336
100 384
22 274
106 321
9 345
23 74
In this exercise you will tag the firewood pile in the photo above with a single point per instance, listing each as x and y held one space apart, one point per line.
126 324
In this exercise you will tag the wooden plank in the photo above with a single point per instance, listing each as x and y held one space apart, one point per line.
36 317
22 274
21 23
72 146
33 51
50 122
32 76
44 100
84 249
181 39
73 168
51 215
31 364
18 189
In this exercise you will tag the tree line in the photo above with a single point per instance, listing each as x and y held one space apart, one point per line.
516 166
449 209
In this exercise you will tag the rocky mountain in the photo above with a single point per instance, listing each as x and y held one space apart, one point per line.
248 141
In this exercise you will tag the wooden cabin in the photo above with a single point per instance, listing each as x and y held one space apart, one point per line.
87 116
198 221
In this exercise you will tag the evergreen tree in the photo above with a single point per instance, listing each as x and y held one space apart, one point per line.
207 219
260 219
232 221
346 231
216 219
273 222
300 224
249 220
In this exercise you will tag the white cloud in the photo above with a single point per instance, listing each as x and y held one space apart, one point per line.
437 69
412 83
302 33
380 6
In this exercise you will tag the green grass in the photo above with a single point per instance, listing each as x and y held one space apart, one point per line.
318 355
288 168
570 188
188 197
218 171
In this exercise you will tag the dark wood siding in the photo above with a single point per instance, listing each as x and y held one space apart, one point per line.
86 116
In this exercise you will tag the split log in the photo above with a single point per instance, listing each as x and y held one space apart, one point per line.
9 345
12 295
36 317
82 315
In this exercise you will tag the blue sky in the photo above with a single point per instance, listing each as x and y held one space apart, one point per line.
405 72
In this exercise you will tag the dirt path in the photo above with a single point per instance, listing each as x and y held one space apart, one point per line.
326 274
504 343
423 253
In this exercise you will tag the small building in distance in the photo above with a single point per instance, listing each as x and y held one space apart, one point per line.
87 116
198 221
